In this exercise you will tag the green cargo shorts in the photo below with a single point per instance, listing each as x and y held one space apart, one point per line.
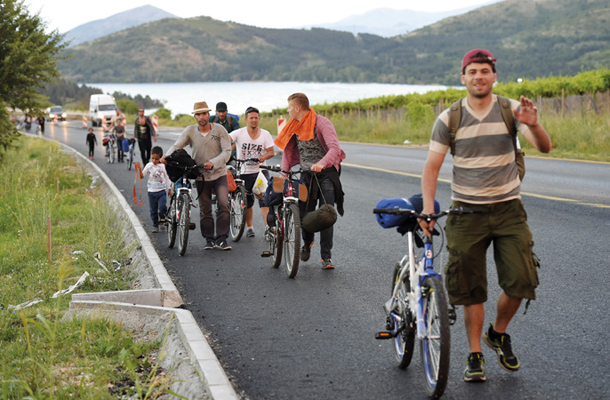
468 238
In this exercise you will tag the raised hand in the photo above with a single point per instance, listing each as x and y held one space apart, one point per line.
528 114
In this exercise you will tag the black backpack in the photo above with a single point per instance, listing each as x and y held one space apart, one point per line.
183 159
455 118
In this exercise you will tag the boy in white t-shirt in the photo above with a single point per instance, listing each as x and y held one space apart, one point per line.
158 183
252 142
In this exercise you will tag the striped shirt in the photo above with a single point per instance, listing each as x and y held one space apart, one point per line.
484 169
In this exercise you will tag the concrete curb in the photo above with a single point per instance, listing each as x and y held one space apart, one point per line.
157 301
200 354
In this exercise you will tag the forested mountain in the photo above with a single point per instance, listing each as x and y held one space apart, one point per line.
530 39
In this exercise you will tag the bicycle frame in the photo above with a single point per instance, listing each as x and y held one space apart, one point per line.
418 307
424 269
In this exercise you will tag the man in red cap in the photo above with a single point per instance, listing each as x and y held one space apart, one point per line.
485 180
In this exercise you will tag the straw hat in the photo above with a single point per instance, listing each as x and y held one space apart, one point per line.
200 106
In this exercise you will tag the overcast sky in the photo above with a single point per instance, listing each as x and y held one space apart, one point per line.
64 15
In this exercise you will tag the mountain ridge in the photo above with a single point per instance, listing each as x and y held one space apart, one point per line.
388 22
102 27
529 38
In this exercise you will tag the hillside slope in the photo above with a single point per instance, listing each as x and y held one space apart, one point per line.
530 39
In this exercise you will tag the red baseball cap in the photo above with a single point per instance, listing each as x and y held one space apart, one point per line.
478 56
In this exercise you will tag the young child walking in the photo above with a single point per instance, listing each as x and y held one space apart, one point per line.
92 142
158 183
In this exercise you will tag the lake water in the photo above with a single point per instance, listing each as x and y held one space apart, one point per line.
266 96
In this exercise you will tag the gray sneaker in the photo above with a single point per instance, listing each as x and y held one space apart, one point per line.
155 229
250 233
209 245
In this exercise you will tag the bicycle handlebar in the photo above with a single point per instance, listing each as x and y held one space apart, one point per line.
428 217
280 170
245 160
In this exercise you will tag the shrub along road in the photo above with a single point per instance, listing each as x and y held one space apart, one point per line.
313 337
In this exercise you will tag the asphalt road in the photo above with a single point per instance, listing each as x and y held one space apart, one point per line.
313 337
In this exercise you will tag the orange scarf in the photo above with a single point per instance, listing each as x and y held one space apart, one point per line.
303 128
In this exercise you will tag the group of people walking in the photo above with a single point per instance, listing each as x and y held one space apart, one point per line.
307 139
485 179
144 132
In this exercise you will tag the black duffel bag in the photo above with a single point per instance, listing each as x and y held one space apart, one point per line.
322 218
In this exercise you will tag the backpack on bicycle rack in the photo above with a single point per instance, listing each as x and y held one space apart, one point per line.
275 191
276 187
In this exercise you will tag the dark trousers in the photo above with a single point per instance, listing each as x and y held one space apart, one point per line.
120 153
157 206
204 191
326 236
145 145
91 149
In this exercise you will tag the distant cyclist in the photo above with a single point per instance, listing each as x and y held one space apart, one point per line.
119 130
486 180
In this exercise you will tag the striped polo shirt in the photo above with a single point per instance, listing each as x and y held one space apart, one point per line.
484 169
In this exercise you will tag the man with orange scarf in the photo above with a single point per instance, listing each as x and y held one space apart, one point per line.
311 141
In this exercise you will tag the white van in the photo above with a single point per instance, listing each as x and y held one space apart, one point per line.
101 105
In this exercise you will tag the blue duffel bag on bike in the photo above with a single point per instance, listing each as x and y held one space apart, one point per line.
414 203
125 144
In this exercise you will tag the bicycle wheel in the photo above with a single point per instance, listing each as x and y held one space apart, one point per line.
238 213
292 239
276 243
405 340
184 220
171 222
436 344
112 154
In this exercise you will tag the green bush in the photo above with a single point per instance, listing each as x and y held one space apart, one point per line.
163 113
128 107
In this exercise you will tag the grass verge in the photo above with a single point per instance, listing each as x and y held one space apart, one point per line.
44 355
583 135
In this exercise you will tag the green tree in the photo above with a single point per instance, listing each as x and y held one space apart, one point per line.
28 60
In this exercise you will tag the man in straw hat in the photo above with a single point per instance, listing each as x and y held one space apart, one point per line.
211 146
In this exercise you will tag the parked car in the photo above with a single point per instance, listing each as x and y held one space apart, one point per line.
56 113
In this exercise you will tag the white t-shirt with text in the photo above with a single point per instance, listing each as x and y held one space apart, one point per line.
246 147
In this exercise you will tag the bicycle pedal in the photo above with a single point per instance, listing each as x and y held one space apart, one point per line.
384 335
452 315
266 254
192 226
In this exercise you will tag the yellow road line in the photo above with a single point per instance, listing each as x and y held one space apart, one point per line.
448 181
